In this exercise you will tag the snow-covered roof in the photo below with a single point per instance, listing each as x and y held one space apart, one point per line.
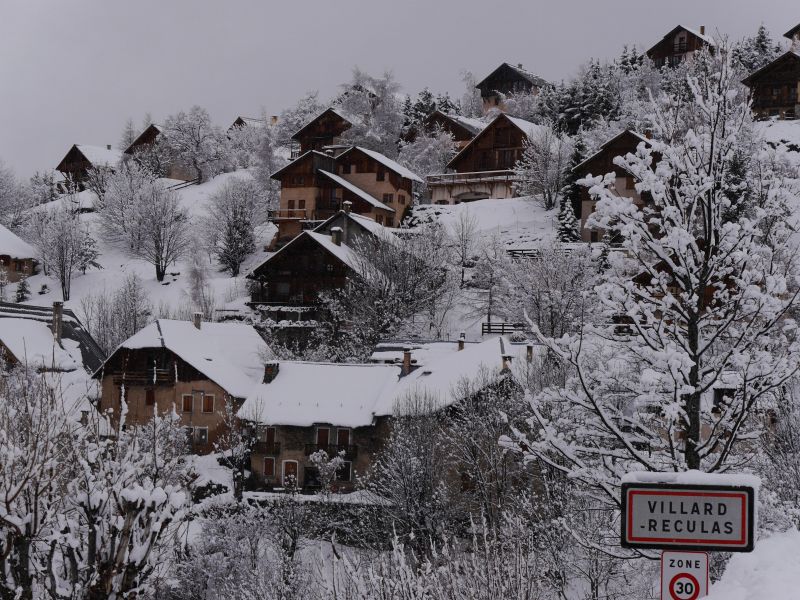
790 54
34 344
469 123
351 187
605 145
338 111
100 156
296 161
305 393
12 245
438 379
387 162
251 121
341 251
229 354
705 38
792 32
526 127
519 70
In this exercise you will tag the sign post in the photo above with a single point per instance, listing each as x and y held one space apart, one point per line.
684 575
685 521
687 517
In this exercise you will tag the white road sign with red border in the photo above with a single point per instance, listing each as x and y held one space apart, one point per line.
684 575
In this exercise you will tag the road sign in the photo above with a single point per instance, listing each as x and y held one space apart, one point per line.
687 517
684 575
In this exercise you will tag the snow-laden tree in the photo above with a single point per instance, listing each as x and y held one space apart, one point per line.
694 303
122 511
374 104
42 188
428 154
292 119
14 198
111 317
471 102
191 139
232 215
540 171
35 465
571 196
128 135
464 235
65 244
142 217
568 225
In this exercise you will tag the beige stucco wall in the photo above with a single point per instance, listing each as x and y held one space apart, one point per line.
623 187
370 184
449 193
165 398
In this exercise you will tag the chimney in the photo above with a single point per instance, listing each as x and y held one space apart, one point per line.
529 353
702 29
271 371
507 362
58 320
108 146
336 235
648 133
406 360
461 339
347 206
273 120
197 319
519 65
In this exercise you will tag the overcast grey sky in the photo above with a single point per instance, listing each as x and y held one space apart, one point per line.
72 71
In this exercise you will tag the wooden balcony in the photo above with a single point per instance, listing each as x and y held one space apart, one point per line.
266 449
472 177
332 450
146 377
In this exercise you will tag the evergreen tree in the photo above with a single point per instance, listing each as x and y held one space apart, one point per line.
567 223
755 52
23 290
87 252
571 192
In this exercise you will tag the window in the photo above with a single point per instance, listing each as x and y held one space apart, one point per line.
290 204
329 268
269 467
342 437
388 198
208 403
630 183
594 236
301 204
323 436
289 478
149 396
345 472
19 266
188 402
401 199
381 176
201 435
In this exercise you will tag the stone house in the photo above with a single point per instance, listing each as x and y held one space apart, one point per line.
197 369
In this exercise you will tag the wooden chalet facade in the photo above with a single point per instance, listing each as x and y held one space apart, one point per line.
679 45
197 369
600 163
775 88
287 285
17 257
322 131
241 121
484 167
506 80
316 185
81 158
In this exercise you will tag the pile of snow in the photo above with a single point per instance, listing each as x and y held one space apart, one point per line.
770 572
694 477
517 222
12 245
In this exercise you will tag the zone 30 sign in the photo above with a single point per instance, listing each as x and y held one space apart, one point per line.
687 517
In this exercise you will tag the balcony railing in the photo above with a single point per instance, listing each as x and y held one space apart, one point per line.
680 47
350 451
473 177
146 377
266 448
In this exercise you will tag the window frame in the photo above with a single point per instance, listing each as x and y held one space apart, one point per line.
316 435
203 397
183 404
283 471
194 435
267 460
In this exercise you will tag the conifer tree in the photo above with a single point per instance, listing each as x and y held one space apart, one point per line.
567 223
571 196
23 290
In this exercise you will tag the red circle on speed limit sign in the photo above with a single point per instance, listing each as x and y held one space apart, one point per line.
684 586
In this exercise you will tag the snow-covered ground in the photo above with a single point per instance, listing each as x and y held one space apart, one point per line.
172 293
517 222
770 572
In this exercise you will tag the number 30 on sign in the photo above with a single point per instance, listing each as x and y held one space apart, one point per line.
684 575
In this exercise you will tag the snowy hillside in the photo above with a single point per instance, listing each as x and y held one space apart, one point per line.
171 295
517 222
